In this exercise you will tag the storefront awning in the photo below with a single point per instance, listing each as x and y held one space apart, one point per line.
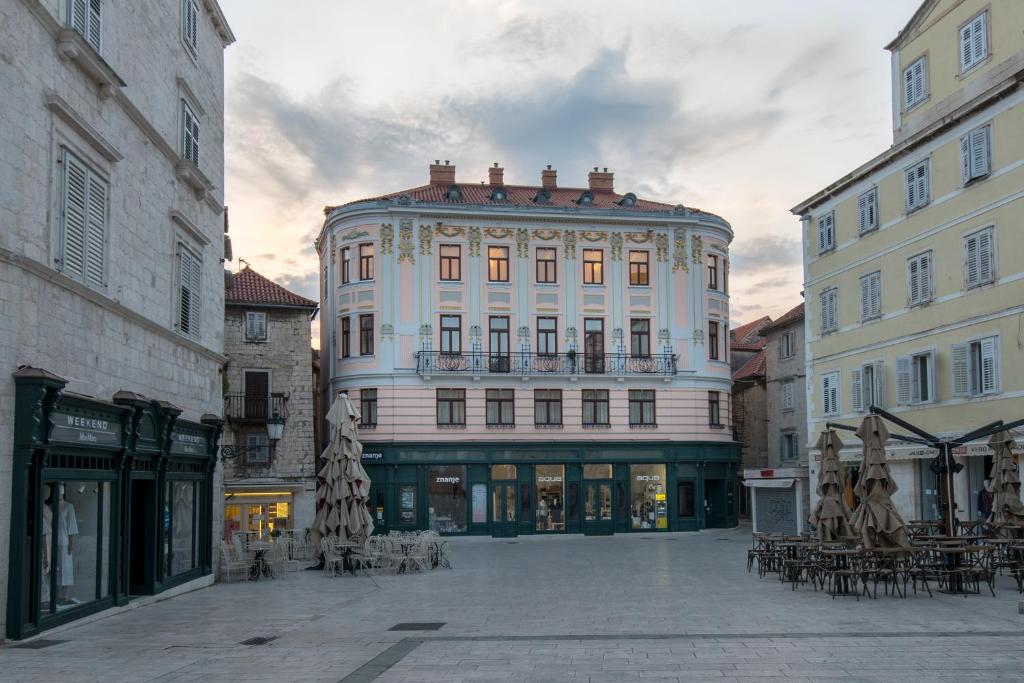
768 483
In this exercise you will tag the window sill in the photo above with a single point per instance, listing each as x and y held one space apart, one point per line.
501 284
916 105
547 285
644 425
911 210
717 426
825 252
367 425
594 285
980 285
452 426
640 287
500 426
970 70
255 341
189 173
606 425
977 179
868 231
71 45
871 319
547 426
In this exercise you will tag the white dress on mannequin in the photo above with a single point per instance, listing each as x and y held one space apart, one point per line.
67 526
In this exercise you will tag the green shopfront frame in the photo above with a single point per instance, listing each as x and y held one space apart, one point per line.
576 487
109 500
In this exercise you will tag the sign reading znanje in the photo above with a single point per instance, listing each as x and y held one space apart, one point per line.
372 456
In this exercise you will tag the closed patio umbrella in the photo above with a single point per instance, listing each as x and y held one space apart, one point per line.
1007 507
344 487
831 517
876 520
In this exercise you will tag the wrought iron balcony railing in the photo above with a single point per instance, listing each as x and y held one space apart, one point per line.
543 364
254 409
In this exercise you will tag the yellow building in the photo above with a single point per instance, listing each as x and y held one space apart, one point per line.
914 262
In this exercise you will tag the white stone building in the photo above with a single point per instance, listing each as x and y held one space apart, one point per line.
269 482
111 232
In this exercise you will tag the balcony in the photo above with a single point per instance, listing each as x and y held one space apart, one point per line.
239 408
521 364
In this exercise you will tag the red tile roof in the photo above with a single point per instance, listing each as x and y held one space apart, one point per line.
793 315
249 287
752 368
752 346
749 333
522 195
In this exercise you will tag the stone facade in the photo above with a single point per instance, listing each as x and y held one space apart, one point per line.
286 355
117 110
780 370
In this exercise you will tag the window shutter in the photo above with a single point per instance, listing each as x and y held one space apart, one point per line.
965 158
971 274
865 297
986 256
189 279
920 70
908 87
989 366
913 280
878 390
876 294
925 283
906 384
923 184
960 370
932 387
856 390
979 39
191 24
862 212
966 46
75 193
911 195
95 242
94 24
979 145
79 16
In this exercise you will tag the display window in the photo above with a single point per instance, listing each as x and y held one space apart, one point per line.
446 498
180 527
648 497
550 511
76 537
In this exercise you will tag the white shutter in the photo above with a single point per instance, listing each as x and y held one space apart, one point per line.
966 47
78 16
925 293
913 280
189 134
865 297
932 387
787 395
965 158
979 145
862 212
908 87
191 25
960 370
906 382
96 238
923 184
971 264
75 193
878 390
826 232
979 42
876 294
189 294
911 189
989 366
95 23
986 256
856 391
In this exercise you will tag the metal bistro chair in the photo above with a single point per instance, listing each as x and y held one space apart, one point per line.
334 560
230 563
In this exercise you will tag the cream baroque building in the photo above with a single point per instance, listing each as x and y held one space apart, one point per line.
533 359
913 264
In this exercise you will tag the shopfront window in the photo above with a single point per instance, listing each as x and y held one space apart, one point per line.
180 515
407 505
648 499
550 497
73 550
503 472
479 503
597 471
687 506
232 521
447 499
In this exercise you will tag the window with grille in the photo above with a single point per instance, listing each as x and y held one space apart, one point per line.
867 211
826 232
190 26
640 337
641 408
497 264
451 262
451 407
830 394
975 367
979 258
366 261
500 407
84 201
189 134
86 17
255 326
546 265
257 448
367 407
593 266
190 276
871 296
915 83
975 154
917 183
919 279
829 310
974 42
595 407
366 334
547 407
547 335
639 267
714 409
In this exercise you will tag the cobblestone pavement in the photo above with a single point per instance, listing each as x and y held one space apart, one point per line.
632 607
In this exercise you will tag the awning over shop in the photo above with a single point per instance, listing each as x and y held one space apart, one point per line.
768 483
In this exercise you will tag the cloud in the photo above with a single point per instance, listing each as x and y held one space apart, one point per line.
805 66
306 284
771 251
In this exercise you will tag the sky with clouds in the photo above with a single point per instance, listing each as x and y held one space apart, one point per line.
742 108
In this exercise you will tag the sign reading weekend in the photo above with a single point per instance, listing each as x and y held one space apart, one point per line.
85 430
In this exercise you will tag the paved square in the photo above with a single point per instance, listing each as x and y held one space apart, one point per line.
669 607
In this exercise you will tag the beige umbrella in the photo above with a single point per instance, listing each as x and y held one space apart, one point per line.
876 520
831 517
344 490
1007 507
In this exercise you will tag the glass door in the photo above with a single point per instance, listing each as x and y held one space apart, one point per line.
503 508
593 345
597 507
498 344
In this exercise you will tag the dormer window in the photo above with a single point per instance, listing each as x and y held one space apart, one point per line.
454 193
499 195
628 200
542 197
586 198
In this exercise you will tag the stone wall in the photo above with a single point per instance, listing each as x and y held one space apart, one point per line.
779 370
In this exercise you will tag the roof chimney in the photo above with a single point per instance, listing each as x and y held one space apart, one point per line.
547 178
496 175
442 174
601 181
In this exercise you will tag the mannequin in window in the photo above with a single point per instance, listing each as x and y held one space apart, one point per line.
47 544
67 530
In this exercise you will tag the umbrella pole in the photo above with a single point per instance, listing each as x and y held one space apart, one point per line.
949 516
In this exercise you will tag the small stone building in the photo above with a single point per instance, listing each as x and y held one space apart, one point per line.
269 470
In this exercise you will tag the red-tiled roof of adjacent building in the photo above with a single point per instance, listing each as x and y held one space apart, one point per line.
793 315
250 288
752 368
749 333
752 346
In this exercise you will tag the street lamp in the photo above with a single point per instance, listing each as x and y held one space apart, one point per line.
275 430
